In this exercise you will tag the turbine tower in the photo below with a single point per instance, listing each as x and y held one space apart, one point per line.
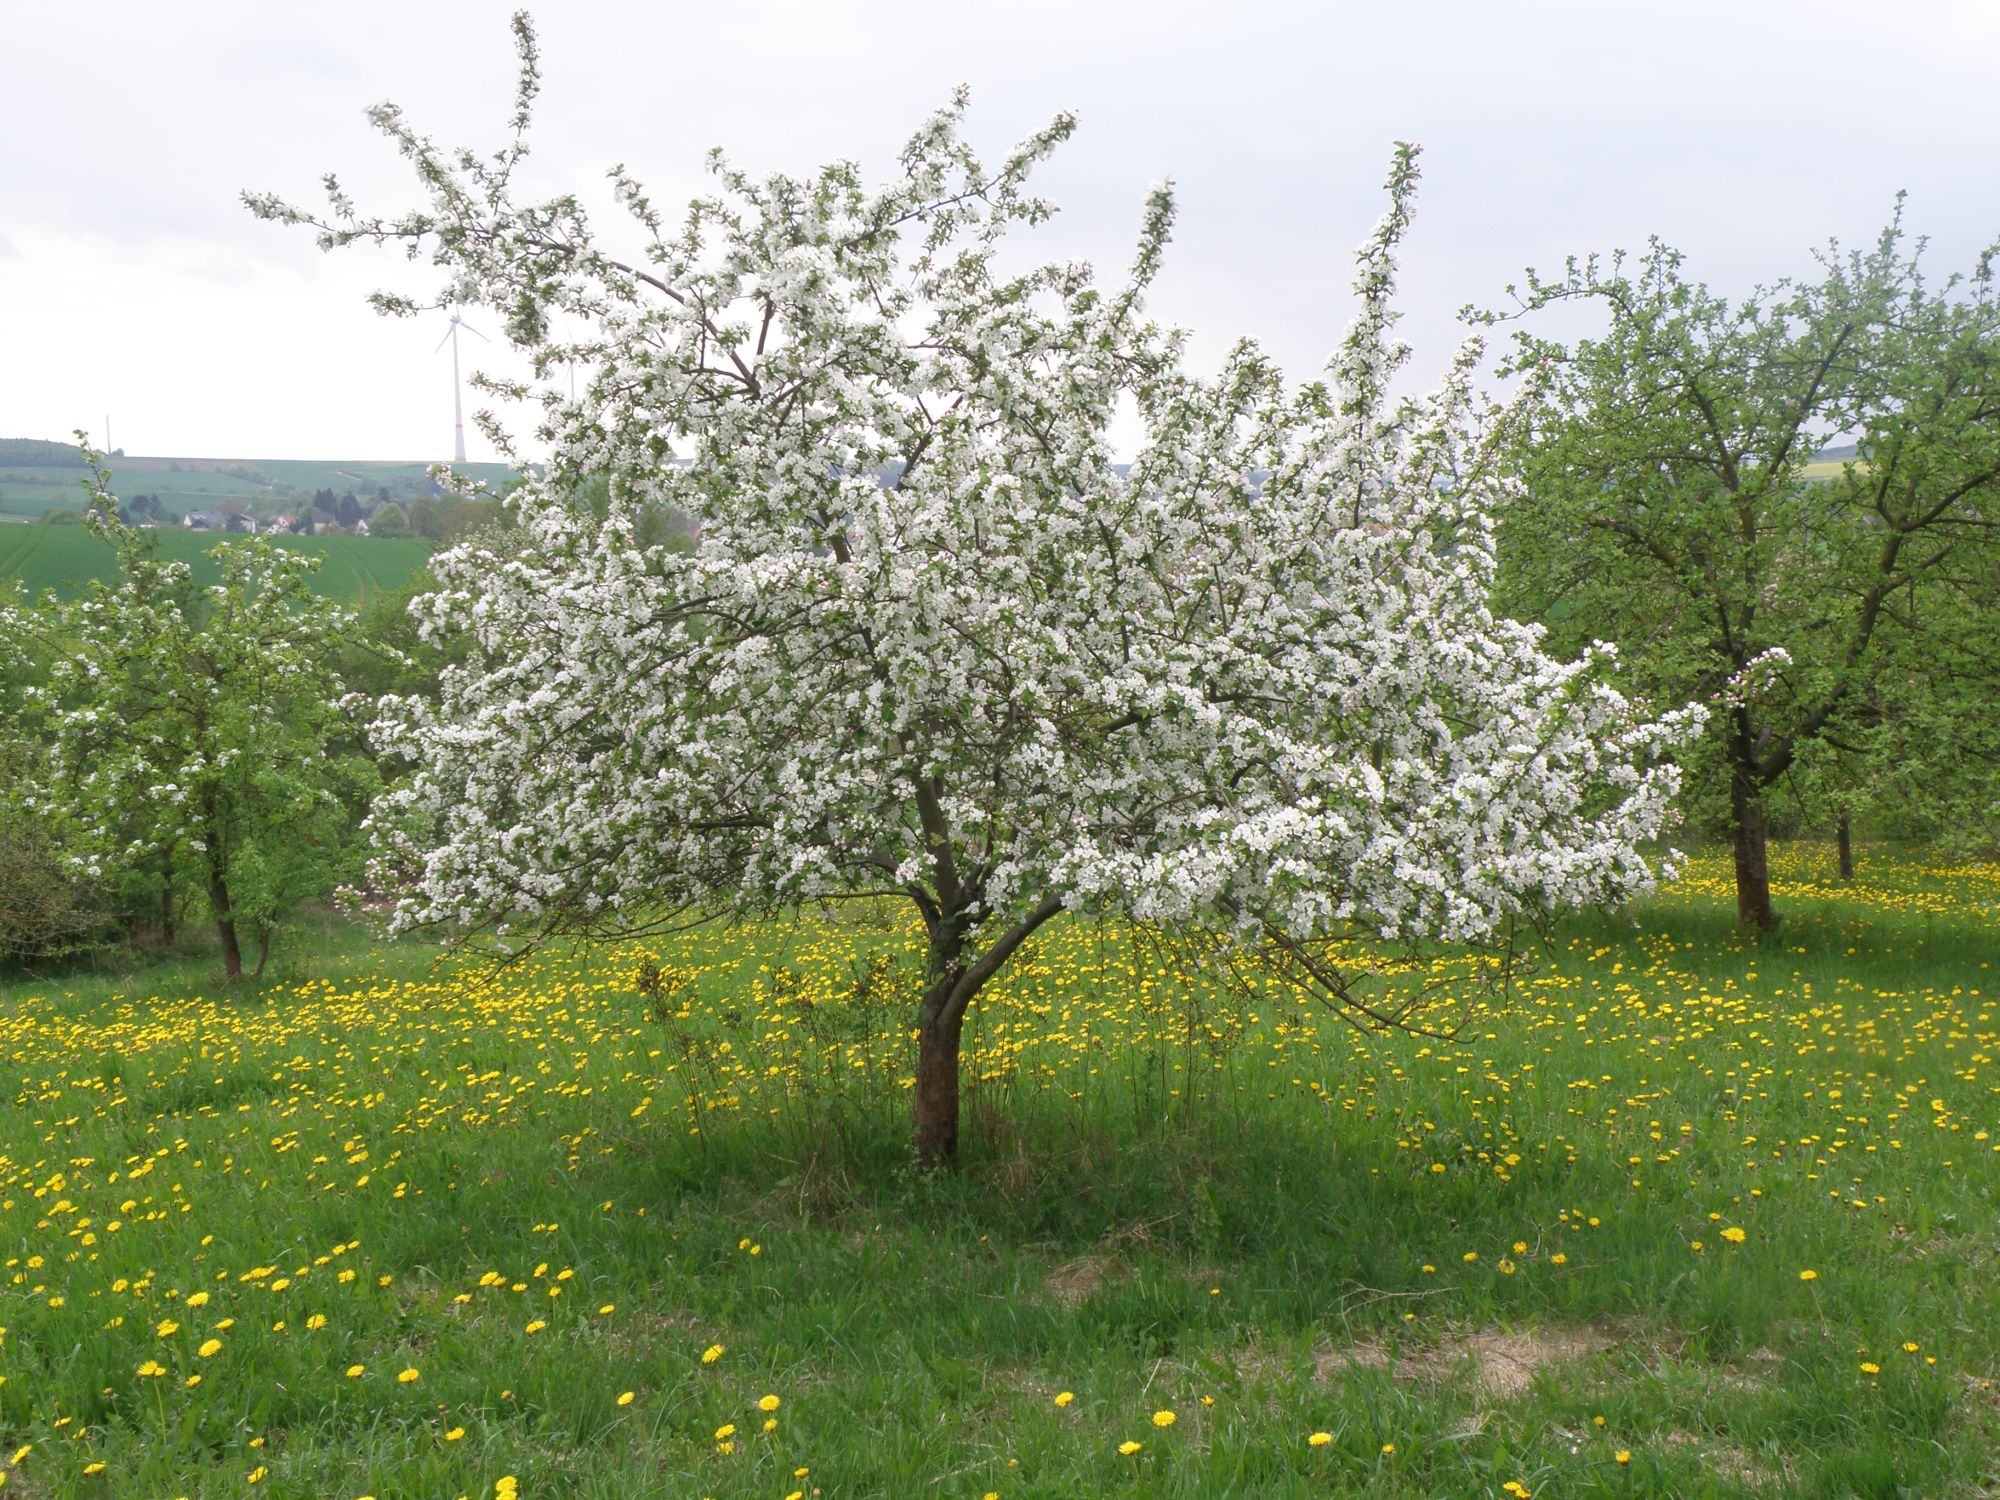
457 405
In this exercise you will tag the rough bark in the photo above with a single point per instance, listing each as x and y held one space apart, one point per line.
937 1090
1753 869
225 927
1844 837
940 1022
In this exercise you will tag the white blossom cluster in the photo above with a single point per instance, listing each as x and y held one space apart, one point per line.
934 640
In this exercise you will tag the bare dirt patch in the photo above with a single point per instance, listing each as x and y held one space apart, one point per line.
1502 1362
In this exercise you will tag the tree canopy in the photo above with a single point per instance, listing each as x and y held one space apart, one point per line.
1666 505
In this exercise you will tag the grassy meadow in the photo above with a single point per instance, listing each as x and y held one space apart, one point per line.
1679 1216
67 558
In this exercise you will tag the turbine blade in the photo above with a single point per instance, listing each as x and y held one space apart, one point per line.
443 341
475 333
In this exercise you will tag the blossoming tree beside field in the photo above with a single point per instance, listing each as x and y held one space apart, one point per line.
934 642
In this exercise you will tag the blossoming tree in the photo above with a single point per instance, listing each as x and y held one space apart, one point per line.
187 737
935 641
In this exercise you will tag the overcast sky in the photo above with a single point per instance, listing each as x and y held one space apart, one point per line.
133 282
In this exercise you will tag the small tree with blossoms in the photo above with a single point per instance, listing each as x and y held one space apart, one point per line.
935 641
191 738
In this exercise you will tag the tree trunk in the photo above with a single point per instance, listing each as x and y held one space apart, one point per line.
225 926
937 1090
167 913
1844 837
952 984
1753 870
939 1024
263 952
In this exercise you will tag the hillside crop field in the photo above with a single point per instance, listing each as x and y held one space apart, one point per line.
1677 1217
29 492
66 558
185 484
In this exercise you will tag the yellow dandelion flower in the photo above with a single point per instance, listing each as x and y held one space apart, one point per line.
627 1397
1128 1447
1319 1439
768 1403
1063 1398
1163 1419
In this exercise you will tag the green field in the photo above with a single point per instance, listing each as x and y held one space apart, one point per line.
1678 1217
65 558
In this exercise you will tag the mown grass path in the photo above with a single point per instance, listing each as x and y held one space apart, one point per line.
1679 1217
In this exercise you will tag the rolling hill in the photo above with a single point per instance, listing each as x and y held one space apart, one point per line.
263 486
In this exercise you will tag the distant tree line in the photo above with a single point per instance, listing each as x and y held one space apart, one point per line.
36 453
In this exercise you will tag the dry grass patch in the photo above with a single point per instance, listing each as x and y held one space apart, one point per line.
1071 1283
1721 1458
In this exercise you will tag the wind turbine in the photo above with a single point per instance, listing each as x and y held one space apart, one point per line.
457 407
